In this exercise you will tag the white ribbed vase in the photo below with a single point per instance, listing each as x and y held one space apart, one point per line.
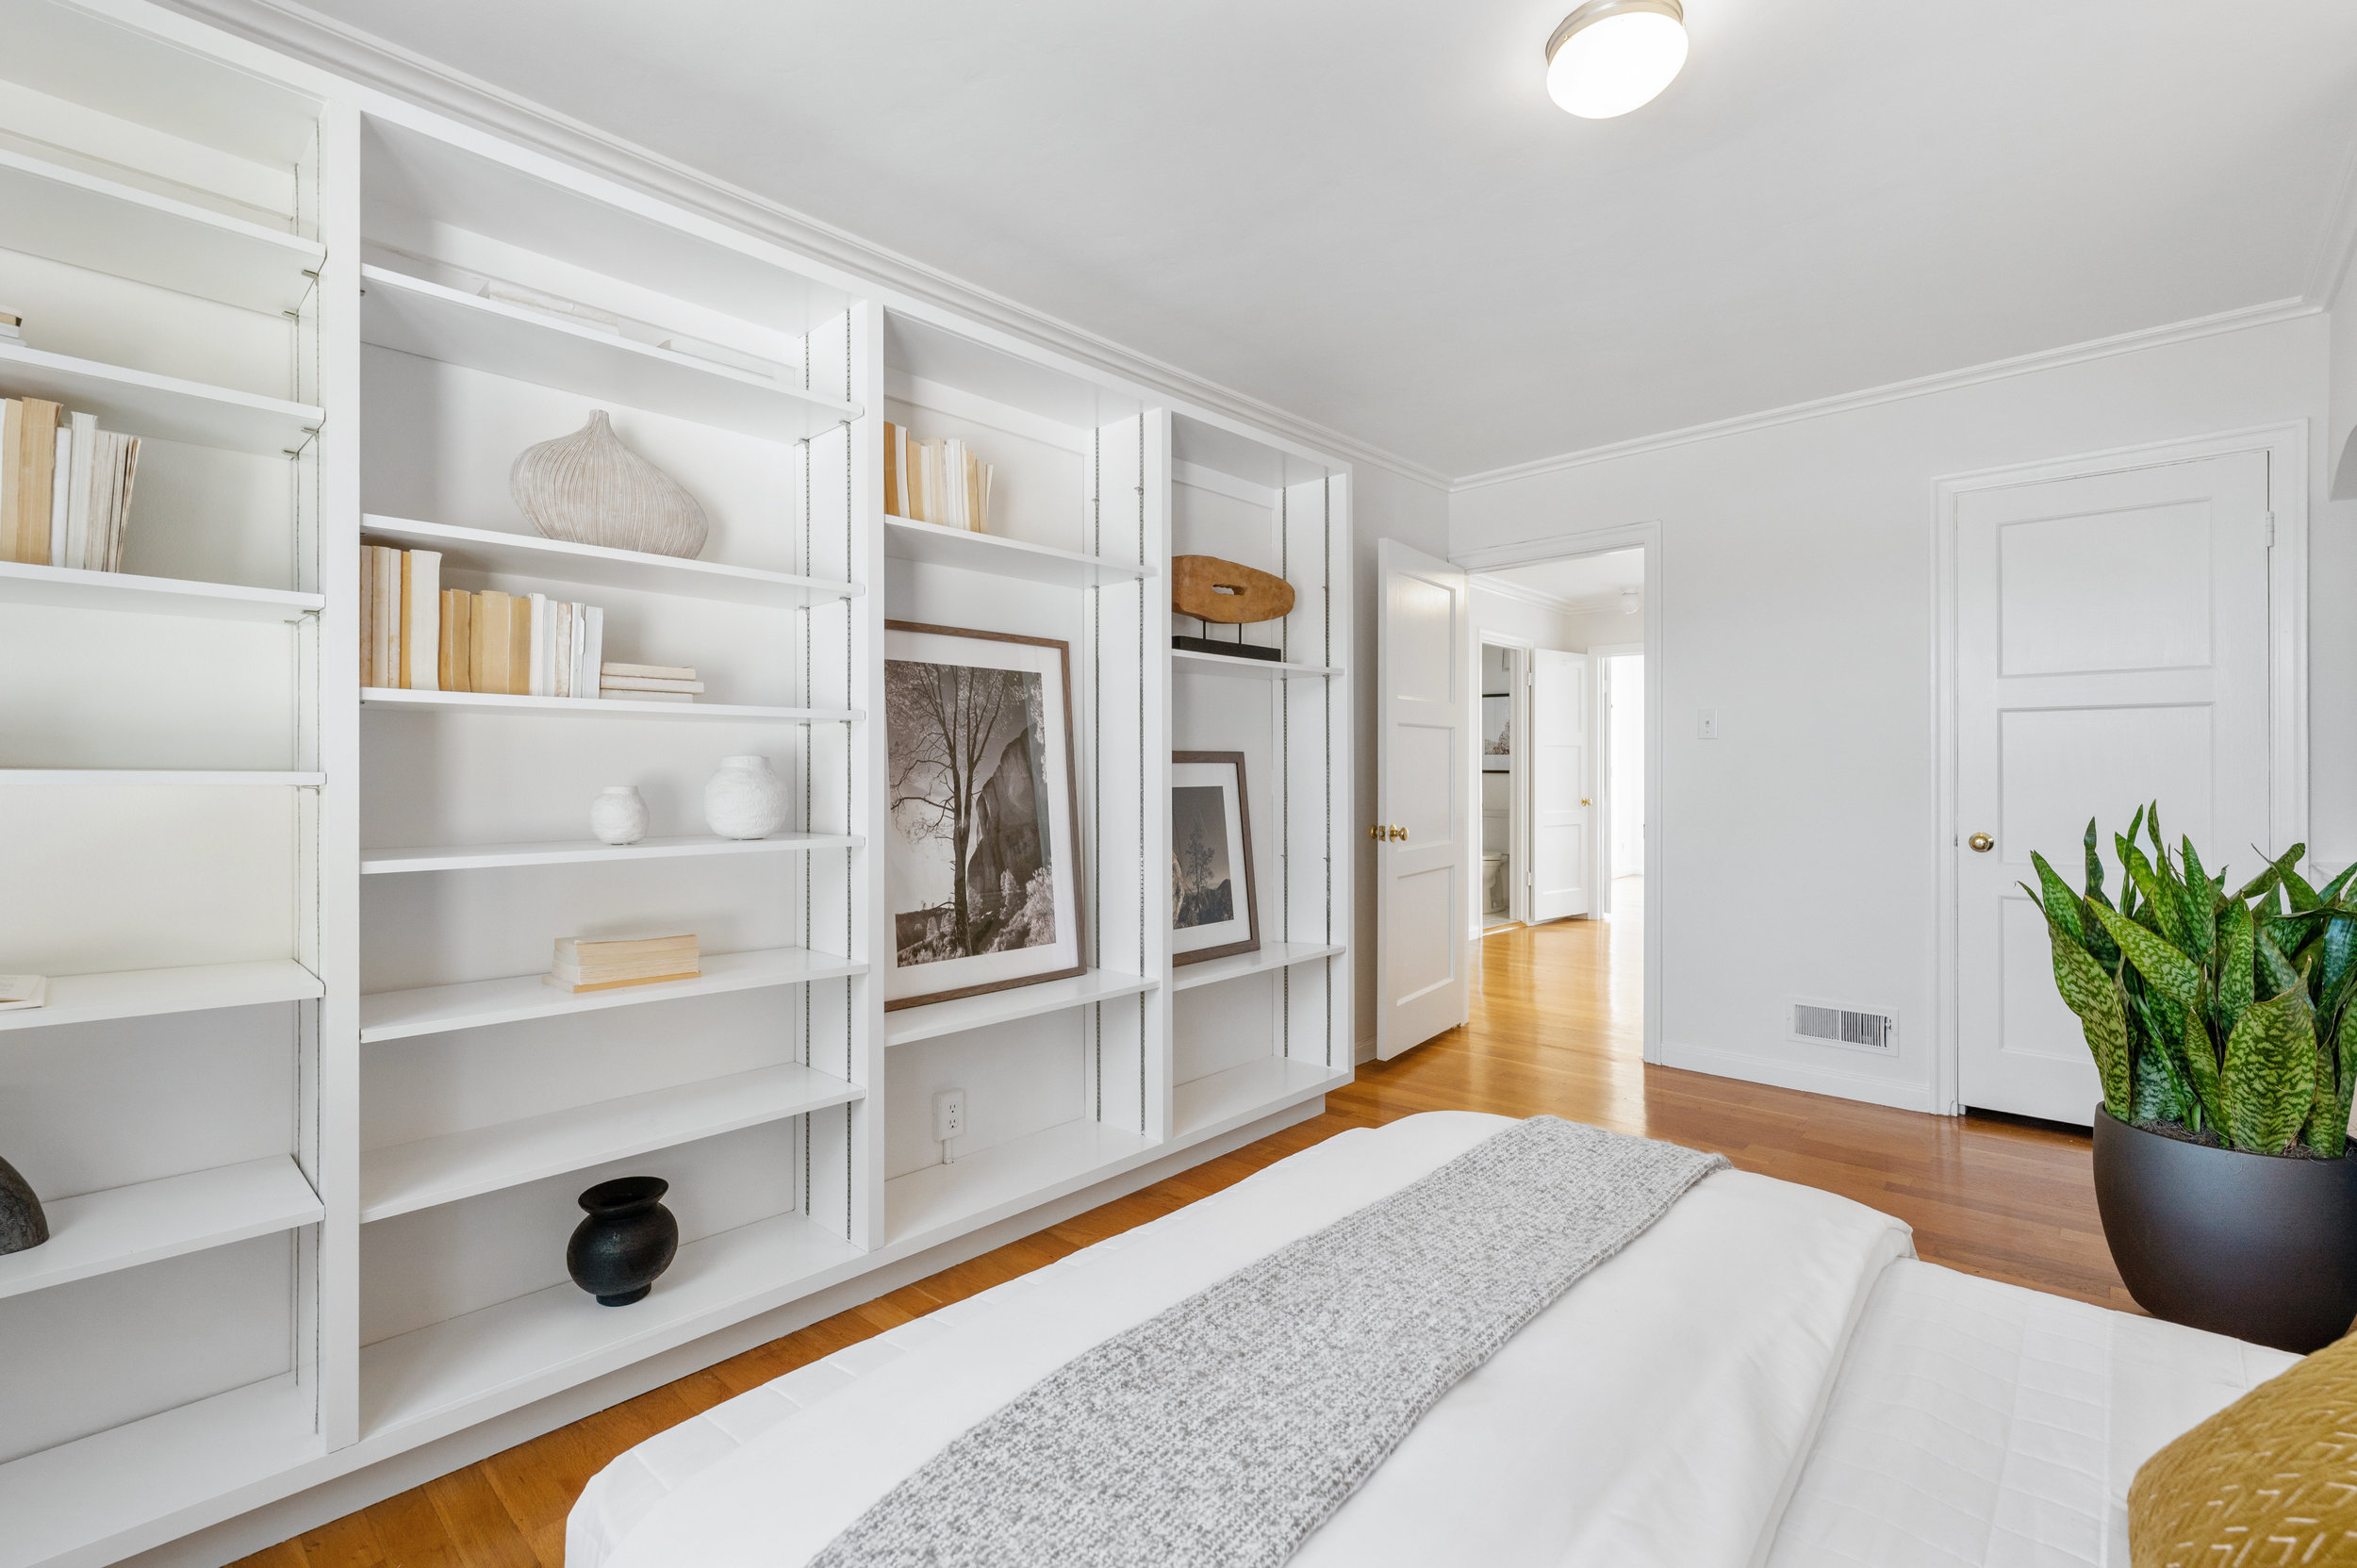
589 489
619 814
744 799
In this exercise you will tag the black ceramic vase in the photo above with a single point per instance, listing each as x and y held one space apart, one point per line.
21 1222
628 1240
2255 1245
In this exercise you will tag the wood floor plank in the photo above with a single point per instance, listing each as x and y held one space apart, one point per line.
1556 1029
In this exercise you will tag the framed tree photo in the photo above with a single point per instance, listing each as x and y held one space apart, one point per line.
1215 903
981 839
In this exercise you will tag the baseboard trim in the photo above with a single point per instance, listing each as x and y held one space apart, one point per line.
1830 1081
333 1495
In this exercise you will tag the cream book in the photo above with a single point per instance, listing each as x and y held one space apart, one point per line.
646 682
22 991
649 671
423 582
621 950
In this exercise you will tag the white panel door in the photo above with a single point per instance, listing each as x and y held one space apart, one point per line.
2112 650
1559 784
1422 729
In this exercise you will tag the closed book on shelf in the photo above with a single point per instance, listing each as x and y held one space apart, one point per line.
560 647
462 608
491 620
891 473
106 481
650 671
11 472
593 645
587 952
77 486
388 615
424 575
519 645
119 515
36 479
368 616
536 678
445 625
644 683
685 961
60 489
400 625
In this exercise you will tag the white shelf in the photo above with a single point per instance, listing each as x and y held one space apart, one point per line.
528 554
145 993
412 315
461 857
160 777
403 1178
935 1018
86 221
116 1493
159 408
464 1369
937 1202
933 545
1205 1107
1271 956
438 1009
1188 662
70 588
599 707
124 1227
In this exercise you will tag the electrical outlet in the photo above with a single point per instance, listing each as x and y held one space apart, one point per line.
949 1116
1706 724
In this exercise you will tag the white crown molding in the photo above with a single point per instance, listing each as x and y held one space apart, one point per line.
370 62
1898 392
1599 603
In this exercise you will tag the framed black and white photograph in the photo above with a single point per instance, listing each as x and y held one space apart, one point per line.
1497 732
982 873
1215 904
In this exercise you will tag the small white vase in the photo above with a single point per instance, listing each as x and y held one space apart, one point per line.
619 814
744 799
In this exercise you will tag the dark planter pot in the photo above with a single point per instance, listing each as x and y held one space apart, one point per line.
21 1222
2248 1245
629 1239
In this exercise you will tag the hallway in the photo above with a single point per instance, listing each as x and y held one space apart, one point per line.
1556 1029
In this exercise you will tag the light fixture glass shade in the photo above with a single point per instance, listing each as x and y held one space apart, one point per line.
1631 601
1610 57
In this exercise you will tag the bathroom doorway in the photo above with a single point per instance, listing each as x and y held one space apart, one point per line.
1502 793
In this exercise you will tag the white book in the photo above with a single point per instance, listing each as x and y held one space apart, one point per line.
584 677
119 522
60 492
560 649
77 489
106 481
538 679
425 621
593 646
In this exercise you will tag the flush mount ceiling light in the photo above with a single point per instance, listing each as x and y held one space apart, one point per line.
1613 56
1631 601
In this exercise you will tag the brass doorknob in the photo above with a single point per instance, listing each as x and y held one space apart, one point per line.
1583 800
1381 832
1981 842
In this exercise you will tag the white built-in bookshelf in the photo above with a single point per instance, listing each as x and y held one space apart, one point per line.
308 1124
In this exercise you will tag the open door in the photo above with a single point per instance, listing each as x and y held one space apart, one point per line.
1422 726
1559 859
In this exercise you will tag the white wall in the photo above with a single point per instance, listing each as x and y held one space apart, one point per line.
1795 597
1383 506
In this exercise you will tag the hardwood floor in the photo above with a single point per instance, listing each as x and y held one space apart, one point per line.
1556 1029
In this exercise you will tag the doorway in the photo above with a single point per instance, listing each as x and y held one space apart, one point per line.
1503 793
1621 828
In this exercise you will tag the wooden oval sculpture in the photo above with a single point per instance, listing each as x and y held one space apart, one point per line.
589 489
1233 594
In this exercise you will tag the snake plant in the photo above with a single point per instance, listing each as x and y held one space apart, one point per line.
2218 1011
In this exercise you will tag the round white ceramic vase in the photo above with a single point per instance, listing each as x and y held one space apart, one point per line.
619 814
744 799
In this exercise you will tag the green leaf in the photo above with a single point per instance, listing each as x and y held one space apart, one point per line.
2158 1092
2199 1057
2276 973
2258 886
2061 904
2331 890
2345 1053
2236 977
2323 1133
2160 896
2153 826
2200 903
2094 996
2095 870
2269 1076
2302 896
2161 962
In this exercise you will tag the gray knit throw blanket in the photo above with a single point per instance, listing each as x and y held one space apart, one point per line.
1221 1432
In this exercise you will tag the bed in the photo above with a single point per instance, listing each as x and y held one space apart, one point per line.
1765 1378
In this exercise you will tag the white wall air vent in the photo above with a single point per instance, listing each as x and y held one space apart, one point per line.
1863 1028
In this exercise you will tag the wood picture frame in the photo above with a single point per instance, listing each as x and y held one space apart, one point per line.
1203 864
939 736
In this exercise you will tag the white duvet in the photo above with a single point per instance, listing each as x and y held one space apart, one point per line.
1658 1414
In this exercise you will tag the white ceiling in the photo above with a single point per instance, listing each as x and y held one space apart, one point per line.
1370 214
1586 582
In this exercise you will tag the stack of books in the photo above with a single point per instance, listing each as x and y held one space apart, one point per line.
938 480
65 487
416 636
649 683
603 965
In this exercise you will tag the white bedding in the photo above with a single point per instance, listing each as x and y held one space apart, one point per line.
1656 1414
